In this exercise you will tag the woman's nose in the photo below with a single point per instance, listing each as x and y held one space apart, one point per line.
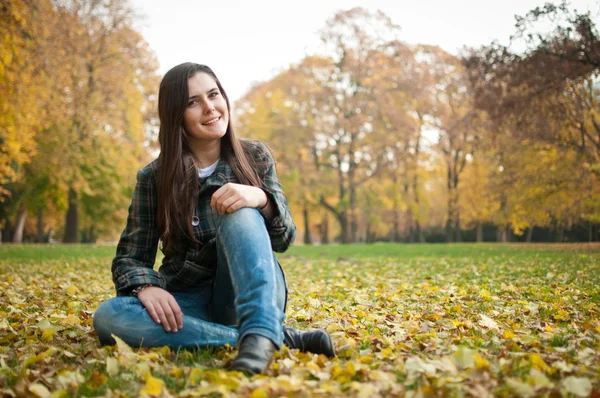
208 107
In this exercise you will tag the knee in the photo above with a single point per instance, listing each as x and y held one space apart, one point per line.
242 218
105 319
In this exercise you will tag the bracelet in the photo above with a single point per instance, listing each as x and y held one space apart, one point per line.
138 289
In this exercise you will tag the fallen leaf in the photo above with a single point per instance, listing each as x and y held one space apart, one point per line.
579 386
153 387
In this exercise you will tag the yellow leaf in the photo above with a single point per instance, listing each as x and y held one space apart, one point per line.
579 386
366 359
60 394
258 393
153 386
508 334
481 362
519 388
539 380
350 369
72 290
48 335
312 366
39 390
70 320
149 356
112 366
464 357
488 322
175 371
45 324
39 357
195 377
538 363
562 315
164 350
122 346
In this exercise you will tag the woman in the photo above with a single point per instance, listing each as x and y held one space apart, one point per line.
215 203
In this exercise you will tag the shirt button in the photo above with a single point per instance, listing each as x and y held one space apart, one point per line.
195 221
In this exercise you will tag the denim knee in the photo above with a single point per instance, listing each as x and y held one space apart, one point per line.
102 317
242 218
105 317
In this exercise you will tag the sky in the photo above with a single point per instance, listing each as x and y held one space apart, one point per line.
250 41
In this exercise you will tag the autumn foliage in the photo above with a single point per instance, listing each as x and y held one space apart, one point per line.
77 85
406 142
376 138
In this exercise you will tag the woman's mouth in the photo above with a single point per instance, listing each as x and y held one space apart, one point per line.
211 121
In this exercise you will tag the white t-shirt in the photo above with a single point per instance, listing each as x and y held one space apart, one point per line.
205 172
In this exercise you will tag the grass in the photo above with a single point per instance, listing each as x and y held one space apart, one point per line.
432 319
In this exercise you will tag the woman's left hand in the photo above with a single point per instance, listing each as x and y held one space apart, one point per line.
231 197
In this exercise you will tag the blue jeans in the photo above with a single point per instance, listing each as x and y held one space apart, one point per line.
247 296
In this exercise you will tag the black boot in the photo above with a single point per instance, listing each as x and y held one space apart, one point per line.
254 355
316 341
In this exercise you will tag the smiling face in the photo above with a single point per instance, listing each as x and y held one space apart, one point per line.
206 117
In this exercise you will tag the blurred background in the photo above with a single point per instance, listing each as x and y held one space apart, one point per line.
430 122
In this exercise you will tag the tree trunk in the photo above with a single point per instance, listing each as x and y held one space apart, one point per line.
457 232
325 229
353 215
40 226
408 218
307 237
529 234
396 229
345 231
71 220
418 232
416 193
479 232
501 233
92 235
396 210
590 233
20 224
560 235
450 216
7 231
370 236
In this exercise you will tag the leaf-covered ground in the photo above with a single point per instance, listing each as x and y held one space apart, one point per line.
422 320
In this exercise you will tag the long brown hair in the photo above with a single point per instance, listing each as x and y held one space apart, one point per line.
177 174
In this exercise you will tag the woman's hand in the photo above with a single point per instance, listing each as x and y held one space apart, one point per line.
162 307
231 197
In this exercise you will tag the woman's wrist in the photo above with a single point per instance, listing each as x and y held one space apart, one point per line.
138 289
266 200
265 205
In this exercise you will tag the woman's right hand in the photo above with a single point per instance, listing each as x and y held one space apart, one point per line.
162 307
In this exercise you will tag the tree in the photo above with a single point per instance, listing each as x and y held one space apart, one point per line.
106 86
347 142
86 138
550 89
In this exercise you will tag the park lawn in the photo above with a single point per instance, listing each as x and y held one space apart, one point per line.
424 320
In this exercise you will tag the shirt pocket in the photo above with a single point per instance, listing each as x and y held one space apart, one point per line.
197 267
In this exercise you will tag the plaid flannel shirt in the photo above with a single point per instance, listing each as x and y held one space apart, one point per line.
133 264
